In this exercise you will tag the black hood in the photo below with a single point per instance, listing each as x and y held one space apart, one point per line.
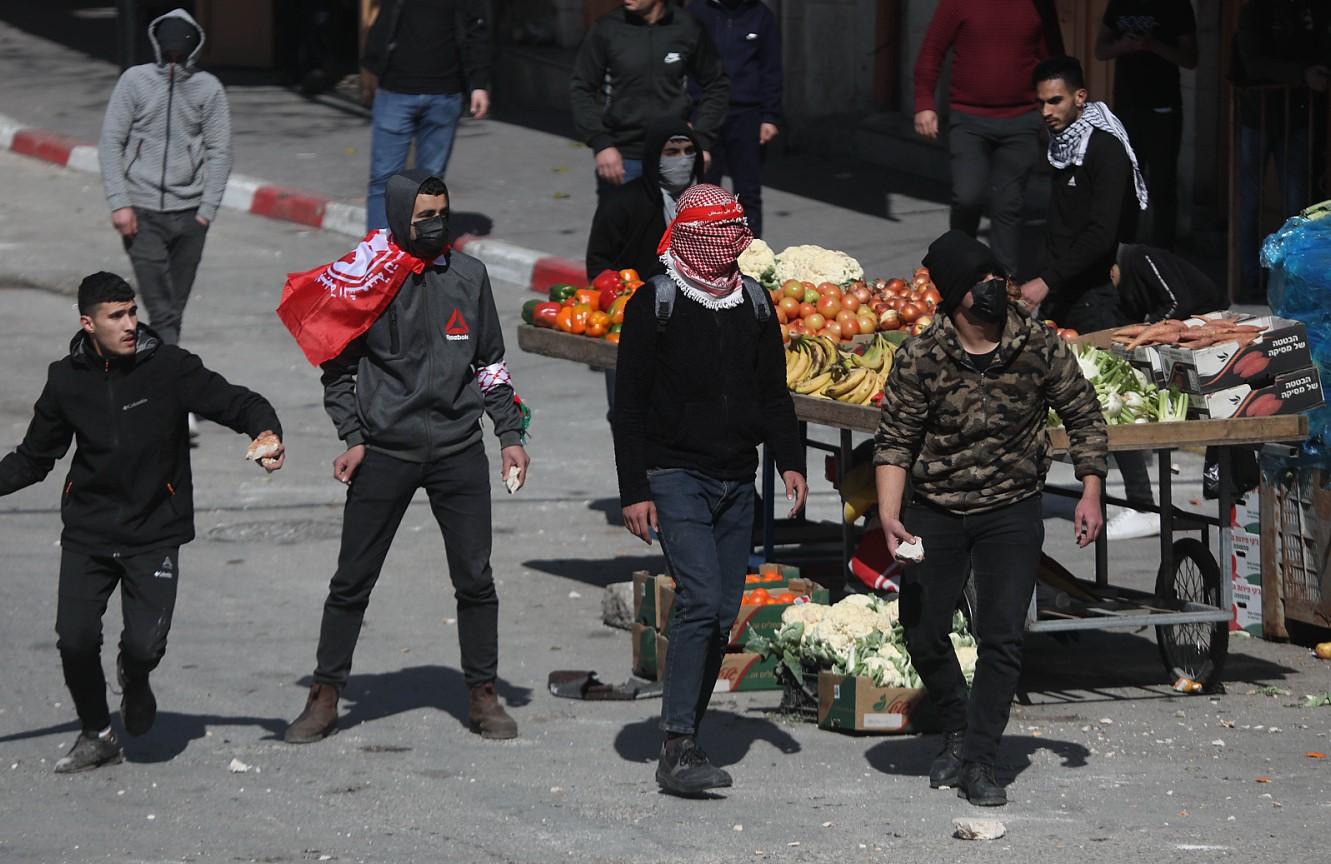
956 261
83 351
400 201
660 131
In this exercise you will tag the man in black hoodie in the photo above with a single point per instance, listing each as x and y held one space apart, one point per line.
127 502
631 218
635 64
407 398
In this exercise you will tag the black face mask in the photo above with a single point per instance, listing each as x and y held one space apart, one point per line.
430 238
990 301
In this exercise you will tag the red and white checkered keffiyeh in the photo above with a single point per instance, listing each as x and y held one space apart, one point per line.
492 376
701 247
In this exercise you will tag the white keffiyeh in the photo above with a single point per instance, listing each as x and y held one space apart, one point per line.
1069 146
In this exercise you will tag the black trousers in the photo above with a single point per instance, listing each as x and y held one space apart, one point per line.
1001 552
459 491
165 255
991 160
738 154
1156 138
147 599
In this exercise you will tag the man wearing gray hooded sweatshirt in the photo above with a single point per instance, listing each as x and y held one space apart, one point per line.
166 156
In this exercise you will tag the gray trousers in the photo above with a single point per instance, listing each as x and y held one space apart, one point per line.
991 161
165 255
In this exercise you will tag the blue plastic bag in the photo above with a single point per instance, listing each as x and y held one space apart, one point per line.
1299 287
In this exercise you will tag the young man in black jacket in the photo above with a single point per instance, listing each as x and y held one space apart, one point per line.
423 57
127 502
748 39
407 399
635 64
1096 194
701 383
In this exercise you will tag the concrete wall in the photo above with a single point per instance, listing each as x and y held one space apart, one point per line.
828 52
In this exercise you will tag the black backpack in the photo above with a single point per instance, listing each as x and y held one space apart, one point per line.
666 290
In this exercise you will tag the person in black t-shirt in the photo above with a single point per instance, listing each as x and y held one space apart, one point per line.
1152 40
423 56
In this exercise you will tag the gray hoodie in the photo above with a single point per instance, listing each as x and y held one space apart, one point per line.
166 139
407 388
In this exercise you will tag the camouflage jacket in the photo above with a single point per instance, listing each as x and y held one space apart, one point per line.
974 441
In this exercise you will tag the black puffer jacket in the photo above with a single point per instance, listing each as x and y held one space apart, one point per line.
129 488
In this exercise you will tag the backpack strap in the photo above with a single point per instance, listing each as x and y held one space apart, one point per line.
666 290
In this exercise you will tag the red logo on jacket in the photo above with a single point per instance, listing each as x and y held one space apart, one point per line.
456 329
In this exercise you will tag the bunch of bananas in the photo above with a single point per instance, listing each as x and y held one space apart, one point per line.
817 366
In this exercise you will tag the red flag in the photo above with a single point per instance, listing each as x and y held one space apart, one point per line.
328 307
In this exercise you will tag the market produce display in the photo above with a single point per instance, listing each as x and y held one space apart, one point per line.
862 636
817 366
1194 333
1126 395
596 312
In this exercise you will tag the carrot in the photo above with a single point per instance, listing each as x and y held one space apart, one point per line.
1156 332
1131 330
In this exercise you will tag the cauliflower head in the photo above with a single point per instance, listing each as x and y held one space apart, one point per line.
758 261
816 264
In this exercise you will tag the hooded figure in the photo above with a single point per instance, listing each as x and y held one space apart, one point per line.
1154 285
165 153
956 263
407 398
630 219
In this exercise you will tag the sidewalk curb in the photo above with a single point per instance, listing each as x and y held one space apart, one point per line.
506 261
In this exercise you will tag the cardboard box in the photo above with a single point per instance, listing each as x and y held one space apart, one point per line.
654 595
1280 349
766 620
740 671
851 704
1246 514
1246 557
1245 574
771 576
1247 607
1292 393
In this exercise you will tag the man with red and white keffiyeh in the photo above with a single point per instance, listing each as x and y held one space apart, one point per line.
701 384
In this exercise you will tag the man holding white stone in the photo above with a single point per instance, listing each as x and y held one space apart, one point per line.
964 414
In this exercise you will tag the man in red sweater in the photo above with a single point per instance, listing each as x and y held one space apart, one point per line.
994 129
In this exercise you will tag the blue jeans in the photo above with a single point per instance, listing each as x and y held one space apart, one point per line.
706 532
632 171
430 119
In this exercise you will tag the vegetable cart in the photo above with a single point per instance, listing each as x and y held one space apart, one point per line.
1192 603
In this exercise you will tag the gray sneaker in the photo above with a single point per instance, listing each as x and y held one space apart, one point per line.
90 751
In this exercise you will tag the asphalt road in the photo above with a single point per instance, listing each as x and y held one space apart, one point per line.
1104 762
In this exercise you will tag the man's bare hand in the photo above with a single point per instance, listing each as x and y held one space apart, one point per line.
610 166
346 465
202 220
1033 293
797 491
926 124
896 534
480 104
126 221
640 519
514 457
268 450
767 132
1087 520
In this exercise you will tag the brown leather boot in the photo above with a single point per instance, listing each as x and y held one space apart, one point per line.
318 720
487 716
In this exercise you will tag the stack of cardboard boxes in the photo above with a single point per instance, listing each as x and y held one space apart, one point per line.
1245 563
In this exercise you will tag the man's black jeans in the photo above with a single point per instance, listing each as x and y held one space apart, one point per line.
1001 551
381 490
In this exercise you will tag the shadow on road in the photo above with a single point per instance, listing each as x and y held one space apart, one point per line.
910 756
173 732
598 572
367 698
726 736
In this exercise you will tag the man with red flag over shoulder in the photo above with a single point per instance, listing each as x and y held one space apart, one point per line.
412 354
701 383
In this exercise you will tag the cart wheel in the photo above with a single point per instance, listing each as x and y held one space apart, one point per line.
1195 651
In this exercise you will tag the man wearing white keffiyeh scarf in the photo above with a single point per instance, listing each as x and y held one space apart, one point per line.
1096 194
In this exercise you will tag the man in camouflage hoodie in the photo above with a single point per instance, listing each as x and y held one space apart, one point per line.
964 415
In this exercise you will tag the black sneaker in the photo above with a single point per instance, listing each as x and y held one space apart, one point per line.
138 706
685 770
90 751
946 769
978 786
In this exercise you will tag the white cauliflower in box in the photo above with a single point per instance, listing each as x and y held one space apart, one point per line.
807 614
816 264
967 656
758 262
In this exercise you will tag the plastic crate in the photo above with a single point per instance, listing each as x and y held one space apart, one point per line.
1296 535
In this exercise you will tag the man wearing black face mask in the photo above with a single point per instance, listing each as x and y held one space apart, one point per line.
964 416
407 398
165 153
630 219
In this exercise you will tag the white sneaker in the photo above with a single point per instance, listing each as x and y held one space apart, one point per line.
1133 525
